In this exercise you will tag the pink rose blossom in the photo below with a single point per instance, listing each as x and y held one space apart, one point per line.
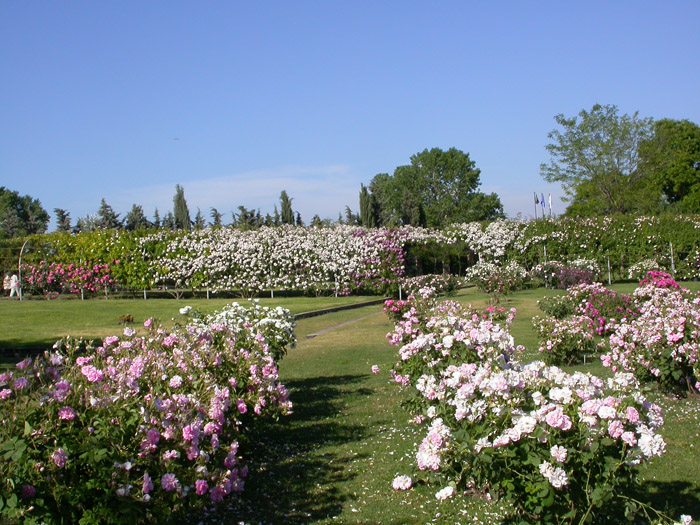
629 438
401 483
216 494
92 374
375 369
66 413
169 482
615 428
201 487
147 483
20 383
632 415
59 457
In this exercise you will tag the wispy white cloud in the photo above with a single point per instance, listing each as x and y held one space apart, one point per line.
321 190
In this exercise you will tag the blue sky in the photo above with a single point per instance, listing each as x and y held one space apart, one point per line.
236 101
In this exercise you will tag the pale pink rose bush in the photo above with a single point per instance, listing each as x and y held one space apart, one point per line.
142 425
539 437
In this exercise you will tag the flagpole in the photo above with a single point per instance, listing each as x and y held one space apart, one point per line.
536 203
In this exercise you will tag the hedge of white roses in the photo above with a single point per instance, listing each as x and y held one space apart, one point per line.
141 426
561 448
349 259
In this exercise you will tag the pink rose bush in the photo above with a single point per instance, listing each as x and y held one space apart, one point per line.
578 319
140 426
557 446
52 278
669 326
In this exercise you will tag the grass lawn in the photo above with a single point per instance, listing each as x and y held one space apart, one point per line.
38 324
334 459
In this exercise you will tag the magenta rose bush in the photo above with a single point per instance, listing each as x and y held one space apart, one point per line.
137 428
558 447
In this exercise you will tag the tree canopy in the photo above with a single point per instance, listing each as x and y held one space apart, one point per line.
436 189
671 157
20 215
595 157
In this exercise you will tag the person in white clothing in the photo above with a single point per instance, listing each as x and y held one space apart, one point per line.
14 285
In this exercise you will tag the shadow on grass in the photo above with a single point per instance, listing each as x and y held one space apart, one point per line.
671 497
297 463
14 350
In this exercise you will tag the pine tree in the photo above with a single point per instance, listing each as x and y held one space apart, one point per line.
180 211
286 205
169 221
62 220
199 221
135 219
107 219
156 219
276 217
299 222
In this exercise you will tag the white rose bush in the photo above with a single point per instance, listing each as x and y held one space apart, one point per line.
559 447
140 426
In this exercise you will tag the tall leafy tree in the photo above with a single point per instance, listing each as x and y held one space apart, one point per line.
62 220
671 157
287 214
436 189
135 219
21 215
107 219
180 210
595 157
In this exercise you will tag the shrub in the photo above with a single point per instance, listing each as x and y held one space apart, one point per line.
559 447
443 284
662 344
603 306
136 428
496 279
565 341
639 270
557 306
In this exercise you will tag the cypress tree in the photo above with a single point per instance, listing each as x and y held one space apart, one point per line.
180 211
368 217
287 212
